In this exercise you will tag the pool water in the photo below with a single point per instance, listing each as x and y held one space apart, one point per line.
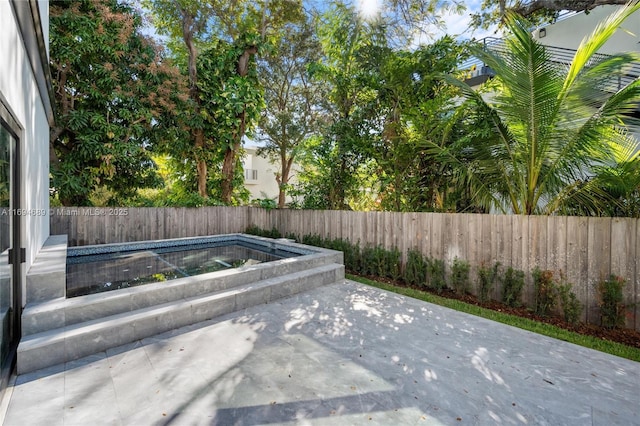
95 273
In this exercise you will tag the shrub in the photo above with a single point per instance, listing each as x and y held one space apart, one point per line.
546 292
612 307
255 230
312 240
393 264
512 285
379 262
460 275
350 251
291 236
415 271
265 203
435 274
487 278
369 266
571 306
355 258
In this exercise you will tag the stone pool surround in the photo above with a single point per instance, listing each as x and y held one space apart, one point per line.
47 277
57 329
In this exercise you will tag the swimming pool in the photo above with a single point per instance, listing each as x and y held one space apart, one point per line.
95 269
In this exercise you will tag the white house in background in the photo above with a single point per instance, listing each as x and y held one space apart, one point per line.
564 36
568 32
260 175
26 113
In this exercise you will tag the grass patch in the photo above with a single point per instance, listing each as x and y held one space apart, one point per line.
590 342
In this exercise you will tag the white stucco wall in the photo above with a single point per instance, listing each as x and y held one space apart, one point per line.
20 92
569 32
266 181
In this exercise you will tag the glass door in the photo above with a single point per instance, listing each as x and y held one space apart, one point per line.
9 263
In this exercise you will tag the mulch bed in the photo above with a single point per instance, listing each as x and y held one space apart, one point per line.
621 335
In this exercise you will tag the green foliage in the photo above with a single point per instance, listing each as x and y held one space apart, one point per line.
415 271
115 95
291 236
292 112
487 279
345 41
393 264
512 285
571 306
216 44
492 12
416 106
373 261
383 104
460 276
368 261
256 230
611 302
552 127
352 256
435 274
228 99
265 203
546 291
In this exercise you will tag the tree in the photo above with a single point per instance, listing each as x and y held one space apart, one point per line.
345 40
292 111
235 22
231 101
493 11
552 128
412 106
111 86
187 20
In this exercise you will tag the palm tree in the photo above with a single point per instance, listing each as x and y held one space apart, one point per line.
553 127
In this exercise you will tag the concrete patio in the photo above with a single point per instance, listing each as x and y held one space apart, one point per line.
344 354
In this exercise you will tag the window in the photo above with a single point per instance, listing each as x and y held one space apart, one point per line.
250 174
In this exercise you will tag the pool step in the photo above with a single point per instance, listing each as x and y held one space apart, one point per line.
50 347
60 312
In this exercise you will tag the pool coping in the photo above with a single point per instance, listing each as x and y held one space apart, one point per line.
46 278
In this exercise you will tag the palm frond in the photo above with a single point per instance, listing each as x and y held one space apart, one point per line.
593 42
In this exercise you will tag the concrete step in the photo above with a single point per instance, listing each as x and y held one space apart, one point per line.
73 341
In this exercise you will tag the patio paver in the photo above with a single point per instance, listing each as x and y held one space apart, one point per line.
345 354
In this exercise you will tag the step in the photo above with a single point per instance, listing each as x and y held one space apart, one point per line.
71 342
61 312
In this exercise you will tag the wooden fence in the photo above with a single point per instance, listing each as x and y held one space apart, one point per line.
585 250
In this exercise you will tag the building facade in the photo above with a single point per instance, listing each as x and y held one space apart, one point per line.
568 32
26 112
260 175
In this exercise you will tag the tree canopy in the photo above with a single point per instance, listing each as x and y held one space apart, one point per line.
352 98
112 86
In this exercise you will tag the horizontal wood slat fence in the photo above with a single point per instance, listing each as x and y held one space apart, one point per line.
585 250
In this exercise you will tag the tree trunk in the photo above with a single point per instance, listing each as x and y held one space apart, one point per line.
231 153
188 27
201 164
283 180
228 169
